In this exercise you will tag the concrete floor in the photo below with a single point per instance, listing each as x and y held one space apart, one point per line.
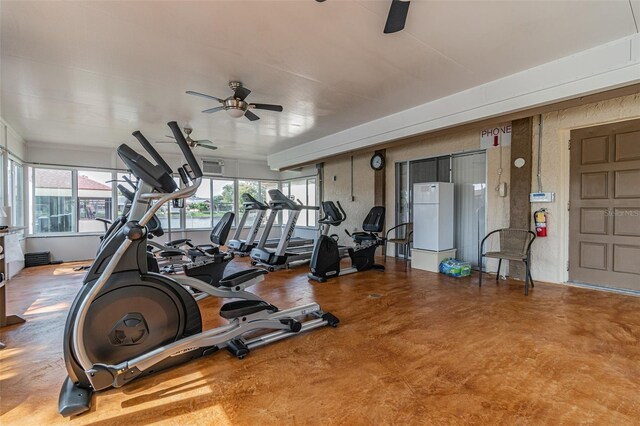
412 348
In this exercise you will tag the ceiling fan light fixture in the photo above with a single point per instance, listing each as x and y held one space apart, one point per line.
235 112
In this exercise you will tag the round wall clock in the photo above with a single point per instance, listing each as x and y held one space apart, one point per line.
377 161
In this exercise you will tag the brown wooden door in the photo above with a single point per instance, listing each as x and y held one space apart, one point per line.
604 242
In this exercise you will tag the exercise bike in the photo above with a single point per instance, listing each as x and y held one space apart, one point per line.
127 322
325 260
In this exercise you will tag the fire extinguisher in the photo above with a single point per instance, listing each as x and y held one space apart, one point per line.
540 219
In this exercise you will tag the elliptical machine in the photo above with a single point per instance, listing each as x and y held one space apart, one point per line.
325 261
127 322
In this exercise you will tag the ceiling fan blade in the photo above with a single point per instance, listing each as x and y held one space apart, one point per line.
204 142
251 116
165 141
207 146
397 16
241 93
191 92
215 109
170 137
269 107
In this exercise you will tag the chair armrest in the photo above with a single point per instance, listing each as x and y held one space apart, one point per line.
103 220
386 236
533 234
485 239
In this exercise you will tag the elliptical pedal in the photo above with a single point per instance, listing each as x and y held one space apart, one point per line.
238 348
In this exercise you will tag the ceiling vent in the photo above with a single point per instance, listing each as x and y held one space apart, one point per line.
213 167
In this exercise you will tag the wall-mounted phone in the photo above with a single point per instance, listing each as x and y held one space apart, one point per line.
502 189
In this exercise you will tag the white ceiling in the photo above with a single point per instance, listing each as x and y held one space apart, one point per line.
89 73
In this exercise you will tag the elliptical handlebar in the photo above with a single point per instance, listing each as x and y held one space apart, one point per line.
152 151
196 172
129 181
183 175
127 194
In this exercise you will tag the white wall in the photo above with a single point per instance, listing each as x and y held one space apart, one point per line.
13 146
337 187
71 155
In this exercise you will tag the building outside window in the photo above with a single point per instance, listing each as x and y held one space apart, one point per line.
94 200
53 202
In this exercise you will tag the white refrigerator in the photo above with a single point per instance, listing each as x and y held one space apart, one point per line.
433 216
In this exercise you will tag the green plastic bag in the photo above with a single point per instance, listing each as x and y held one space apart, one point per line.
455 268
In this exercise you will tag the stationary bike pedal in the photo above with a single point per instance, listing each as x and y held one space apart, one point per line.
238 348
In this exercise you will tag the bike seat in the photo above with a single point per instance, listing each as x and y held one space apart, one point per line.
241 277
241 308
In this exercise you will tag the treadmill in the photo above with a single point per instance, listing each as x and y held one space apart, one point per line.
283 255
238 245
242 247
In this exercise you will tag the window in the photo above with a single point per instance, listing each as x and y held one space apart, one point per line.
15 195
305 191
66 201
223 195
53 202
264 190
94 200
122 200
259 190
168 215
1 178
197 208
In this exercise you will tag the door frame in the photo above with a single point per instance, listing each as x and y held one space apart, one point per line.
451 156
630 121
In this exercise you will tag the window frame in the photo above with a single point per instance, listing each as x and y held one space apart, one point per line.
74 187
307 212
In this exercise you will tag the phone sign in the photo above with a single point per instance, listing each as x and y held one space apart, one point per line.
499 135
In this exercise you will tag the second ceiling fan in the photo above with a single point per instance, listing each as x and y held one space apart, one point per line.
235 104
193 143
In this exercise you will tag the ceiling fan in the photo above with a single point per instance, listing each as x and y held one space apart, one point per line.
204 143
235 105
397 16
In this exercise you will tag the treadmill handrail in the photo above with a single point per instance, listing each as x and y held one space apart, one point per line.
281 202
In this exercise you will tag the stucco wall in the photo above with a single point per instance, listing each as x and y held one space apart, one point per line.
550 254
363 177
340 190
